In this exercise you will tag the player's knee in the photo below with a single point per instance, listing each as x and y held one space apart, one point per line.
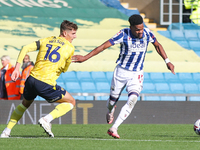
73 102
68 99
132 100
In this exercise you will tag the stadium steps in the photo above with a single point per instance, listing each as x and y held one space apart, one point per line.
149 22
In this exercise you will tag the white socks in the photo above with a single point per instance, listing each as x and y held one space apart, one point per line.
48 118
7 131
125 111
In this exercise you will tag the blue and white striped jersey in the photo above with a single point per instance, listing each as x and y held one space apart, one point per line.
132 49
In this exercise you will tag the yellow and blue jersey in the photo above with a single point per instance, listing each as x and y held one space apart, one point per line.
54 57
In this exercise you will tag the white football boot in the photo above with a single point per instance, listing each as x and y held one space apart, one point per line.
113 132
5 133
46 126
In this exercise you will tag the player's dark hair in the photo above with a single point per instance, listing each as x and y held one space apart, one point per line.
67 25
135 20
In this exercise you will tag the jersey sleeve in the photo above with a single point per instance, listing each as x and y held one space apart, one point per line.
25 49
117 38
151 35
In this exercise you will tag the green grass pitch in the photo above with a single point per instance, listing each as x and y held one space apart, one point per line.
95 137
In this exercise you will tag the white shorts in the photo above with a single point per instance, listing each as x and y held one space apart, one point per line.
122 77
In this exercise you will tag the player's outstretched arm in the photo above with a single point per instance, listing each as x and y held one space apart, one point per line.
16 73
162 53
170 66
97 50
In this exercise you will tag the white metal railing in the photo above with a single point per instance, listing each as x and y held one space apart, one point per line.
142 95
170 10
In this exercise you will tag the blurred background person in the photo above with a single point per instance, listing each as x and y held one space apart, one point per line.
9 90
27 66
192 10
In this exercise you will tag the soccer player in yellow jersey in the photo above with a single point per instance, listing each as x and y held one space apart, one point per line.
54 57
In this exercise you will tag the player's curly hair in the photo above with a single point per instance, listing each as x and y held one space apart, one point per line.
67 25
135 20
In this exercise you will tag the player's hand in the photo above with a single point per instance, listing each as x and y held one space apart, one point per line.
15 75
170 66
78 59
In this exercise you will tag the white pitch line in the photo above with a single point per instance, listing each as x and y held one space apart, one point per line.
96 139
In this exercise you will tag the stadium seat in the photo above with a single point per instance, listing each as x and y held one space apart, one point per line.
171 78
162 88
69 76
184 44
123 98
151 98
180 98
191 88
39 98
198 53
60 79
176 87
84 76
157 77
109 75
196 77
146 77
124 90
177 35
99 76
185 77
198 84
103 87
167 98
73 87
191 35
89 98
104 98
79 97
62 84
194 98
148 88
194 45
165 33
88 87
198 33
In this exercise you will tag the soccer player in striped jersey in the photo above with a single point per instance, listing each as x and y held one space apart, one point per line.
54 57
129 71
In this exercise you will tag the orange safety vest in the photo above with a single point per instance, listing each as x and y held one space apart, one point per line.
12 87
25 74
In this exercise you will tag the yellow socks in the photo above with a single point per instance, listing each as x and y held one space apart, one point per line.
16 115
61 109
